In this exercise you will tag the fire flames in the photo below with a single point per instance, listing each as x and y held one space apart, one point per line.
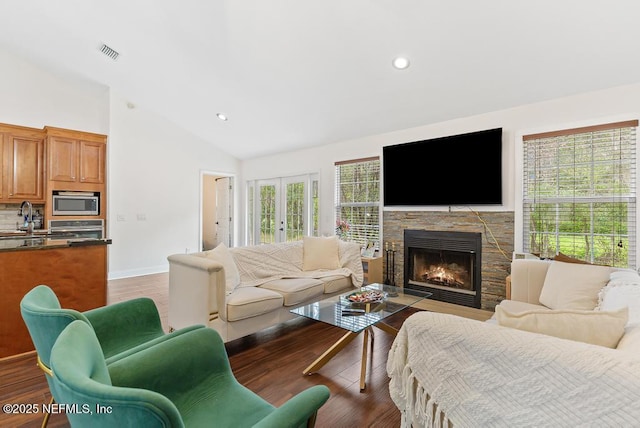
442 275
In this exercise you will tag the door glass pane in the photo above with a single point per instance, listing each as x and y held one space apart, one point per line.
267 214
295 211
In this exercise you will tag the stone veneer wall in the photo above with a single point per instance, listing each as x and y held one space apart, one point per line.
495 265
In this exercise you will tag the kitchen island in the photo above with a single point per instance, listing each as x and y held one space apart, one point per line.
75 269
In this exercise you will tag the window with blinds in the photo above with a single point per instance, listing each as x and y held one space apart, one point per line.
579 193
358 200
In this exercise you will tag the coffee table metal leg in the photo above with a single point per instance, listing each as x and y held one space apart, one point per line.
330 353
363 364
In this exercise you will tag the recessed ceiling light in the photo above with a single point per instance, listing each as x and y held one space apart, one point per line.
401 63
222 117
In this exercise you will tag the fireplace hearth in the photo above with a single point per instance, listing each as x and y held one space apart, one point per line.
446 264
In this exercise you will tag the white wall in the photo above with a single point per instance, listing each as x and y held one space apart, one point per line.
154 172
153 166
580 110
33 97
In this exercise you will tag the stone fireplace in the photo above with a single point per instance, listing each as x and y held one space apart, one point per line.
444 263
495 227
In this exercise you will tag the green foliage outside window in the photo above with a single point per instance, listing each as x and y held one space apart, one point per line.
295 211
267 214
580 195
358 200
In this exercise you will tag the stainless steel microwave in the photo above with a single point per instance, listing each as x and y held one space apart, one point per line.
69 203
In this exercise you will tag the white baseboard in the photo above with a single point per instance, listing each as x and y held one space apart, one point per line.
138 272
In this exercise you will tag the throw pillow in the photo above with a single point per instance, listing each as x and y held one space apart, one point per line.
231 273
624 276
320 253
573 286
617 296
595 327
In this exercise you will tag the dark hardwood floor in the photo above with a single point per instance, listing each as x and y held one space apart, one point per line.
269 363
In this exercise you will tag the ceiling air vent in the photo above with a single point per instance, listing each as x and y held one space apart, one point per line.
109 52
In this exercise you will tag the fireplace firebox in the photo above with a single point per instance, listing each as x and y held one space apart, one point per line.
446 264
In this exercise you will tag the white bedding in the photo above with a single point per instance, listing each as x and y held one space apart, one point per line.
444 368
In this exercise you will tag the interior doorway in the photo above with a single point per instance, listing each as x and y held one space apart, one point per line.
216 215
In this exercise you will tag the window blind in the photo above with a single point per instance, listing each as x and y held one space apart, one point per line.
579 193
357 200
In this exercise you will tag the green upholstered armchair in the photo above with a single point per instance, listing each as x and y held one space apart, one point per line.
184 382
122 328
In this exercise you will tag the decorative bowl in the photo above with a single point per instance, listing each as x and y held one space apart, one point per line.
367 296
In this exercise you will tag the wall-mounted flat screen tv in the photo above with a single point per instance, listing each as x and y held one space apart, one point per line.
461 169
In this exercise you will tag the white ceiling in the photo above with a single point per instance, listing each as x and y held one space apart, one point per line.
297 73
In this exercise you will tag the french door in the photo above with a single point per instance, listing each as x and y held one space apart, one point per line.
285 209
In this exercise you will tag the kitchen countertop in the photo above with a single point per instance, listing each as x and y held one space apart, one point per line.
19 242
14 232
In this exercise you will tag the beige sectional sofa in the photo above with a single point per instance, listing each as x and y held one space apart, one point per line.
573 301
241 290
563 351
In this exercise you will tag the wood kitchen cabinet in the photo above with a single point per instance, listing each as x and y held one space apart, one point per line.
37 162
78 276
92 161
23 165
76 161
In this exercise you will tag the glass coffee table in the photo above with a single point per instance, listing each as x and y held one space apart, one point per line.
357 311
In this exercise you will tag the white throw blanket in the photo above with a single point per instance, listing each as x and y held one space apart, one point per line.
263 263
444 368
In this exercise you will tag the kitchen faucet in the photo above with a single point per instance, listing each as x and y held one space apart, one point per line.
29 221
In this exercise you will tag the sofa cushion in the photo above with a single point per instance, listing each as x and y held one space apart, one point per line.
573 286
295 290
231 274
320 253
246 302
336 283
595 327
